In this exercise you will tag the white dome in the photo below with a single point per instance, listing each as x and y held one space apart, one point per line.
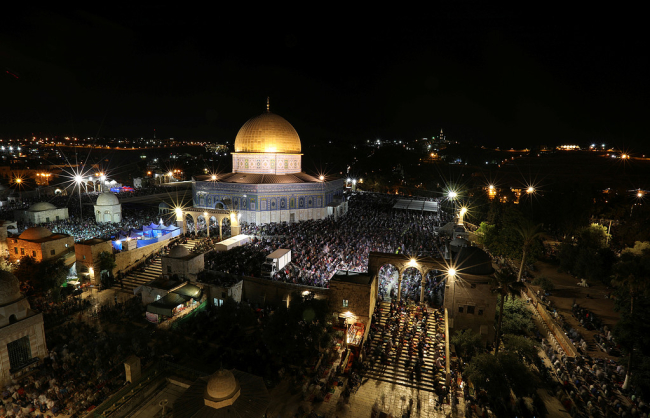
107 199
9 288
41 206
35 233
178 252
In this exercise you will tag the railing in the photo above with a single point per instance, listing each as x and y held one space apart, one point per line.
554 330
122 398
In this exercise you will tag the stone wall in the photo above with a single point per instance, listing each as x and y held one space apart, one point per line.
32 327
87 256
185 268
125 260
478 305
360 299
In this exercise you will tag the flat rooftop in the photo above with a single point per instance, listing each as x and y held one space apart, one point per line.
416 204
346 276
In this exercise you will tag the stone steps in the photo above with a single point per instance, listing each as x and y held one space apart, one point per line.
396 372
153 271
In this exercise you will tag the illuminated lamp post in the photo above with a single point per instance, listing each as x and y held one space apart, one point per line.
461 215
78 179
19 181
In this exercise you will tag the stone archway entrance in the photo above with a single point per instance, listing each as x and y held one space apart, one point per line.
221 216
388 281
401 262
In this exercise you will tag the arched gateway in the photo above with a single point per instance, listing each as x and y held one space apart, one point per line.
221 217
402 262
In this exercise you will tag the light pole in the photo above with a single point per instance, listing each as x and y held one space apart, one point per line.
20 192
78 179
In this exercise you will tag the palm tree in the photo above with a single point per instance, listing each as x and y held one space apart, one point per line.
632 273
504 283
106 263
529 233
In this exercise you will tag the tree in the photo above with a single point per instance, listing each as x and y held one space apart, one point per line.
525 347
467 342
42 277
529 234
499 374
517 318
544 283
589 256
106 265
504 283
631 274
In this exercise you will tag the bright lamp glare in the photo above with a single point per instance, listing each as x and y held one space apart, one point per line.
452 195
78 178
451 272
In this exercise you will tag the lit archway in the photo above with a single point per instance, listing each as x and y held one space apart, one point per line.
410 283
388 281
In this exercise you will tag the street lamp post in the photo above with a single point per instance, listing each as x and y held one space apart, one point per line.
78 179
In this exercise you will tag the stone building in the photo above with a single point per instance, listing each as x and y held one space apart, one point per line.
22 336
39 243
41 212
87 257
352 297
5 228
108 208
267 183
468 295
181 262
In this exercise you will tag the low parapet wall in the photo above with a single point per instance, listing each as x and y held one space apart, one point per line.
268 292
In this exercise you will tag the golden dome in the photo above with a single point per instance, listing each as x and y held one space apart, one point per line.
268 133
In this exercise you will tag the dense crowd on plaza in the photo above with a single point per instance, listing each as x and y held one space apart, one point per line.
321 247
86 228
83 368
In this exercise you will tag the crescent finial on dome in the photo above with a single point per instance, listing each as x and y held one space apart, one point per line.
267 104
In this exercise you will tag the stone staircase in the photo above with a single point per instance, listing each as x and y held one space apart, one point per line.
139 277
397 371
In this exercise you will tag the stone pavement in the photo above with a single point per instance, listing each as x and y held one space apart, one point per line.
382 396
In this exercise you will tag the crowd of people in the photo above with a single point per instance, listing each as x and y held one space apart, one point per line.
406 336
321 247
82 369
590 386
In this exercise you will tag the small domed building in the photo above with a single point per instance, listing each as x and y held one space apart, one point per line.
267 183
22 336
39 243
40 213
108 208
183 263
226 393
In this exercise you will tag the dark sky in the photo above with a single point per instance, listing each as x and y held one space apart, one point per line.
494 77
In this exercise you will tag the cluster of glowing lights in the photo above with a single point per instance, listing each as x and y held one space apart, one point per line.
492 191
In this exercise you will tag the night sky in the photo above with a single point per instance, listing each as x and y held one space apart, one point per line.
487 76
